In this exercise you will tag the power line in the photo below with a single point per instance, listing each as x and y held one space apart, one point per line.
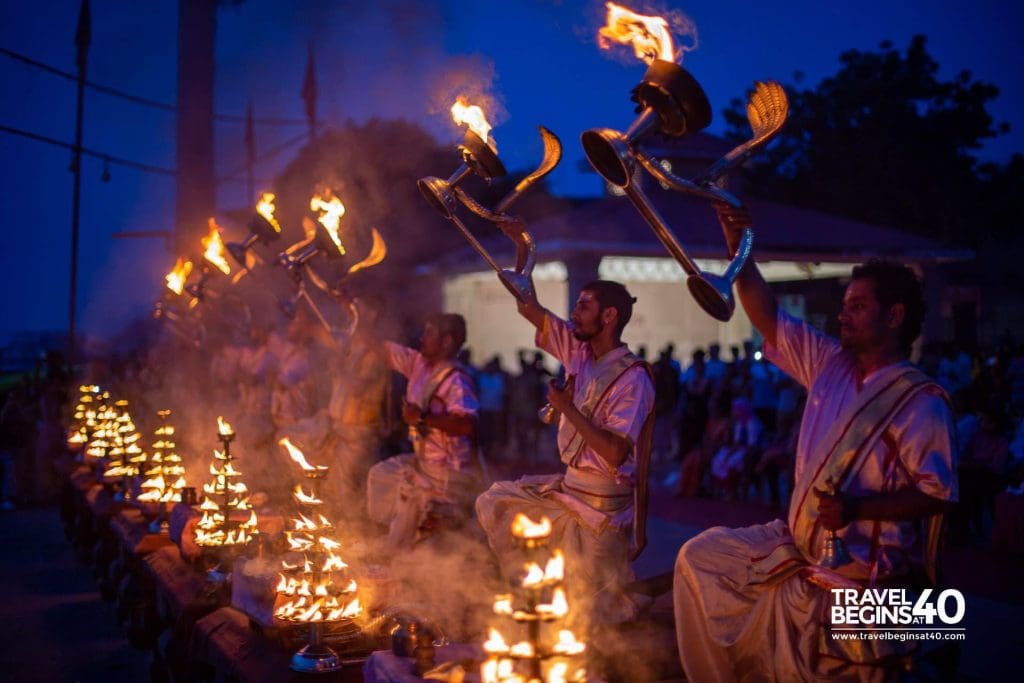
148 168
137 99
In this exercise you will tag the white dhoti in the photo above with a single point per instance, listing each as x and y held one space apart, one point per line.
592 531
747 611
404 492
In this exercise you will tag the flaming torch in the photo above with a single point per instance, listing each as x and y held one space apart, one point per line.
263 227
168 311
480 157
671 102
322 236
214 261
316 587
541 600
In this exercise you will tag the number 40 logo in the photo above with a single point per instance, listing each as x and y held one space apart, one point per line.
925 611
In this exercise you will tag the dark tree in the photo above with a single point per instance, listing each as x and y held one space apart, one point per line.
886 141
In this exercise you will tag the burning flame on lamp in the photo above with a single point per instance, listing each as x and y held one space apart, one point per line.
265 208
214 246
299 457
648 36
302 497
473 116
524 527
331 210
223 427
176 278
558 607
567 644
495 642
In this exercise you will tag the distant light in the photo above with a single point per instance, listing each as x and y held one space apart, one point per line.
758 355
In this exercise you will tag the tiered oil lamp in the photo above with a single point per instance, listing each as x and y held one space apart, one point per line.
165 475
480 157
672 103
124 454
101 424
83 418
549 652
220 534
316 587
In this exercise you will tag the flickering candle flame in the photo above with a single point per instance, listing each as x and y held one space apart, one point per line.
521 649
524 527
331 210
499 671
305 498
178 275
334 563
473 116
265 207
224 429
299 457
214 246
558 607
555 568
648 36
567 643
503 604
495 643
534 575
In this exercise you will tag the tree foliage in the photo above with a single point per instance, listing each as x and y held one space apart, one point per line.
886 141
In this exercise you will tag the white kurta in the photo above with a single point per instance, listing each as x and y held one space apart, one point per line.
732 627
591 505
443 478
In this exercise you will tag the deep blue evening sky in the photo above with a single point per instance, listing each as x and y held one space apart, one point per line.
386 60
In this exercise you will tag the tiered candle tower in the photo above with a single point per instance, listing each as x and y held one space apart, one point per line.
549 651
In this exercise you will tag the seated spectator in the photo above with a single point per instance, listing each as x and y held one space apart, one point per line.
732 462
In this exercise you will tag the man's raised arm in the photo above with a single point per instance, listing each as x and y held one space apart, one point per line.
532 311
755 295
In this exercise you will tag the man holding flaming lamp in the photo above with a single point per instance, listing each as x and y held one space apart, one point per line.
874 474
604 437
411 493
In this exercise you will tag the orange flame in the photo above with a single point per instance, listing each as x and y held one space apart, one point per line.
331 210
471 115
302 497
298 456
555 568
214 246
524 527
648 36
176 278
503 604
567 644
377 253
558 606
223 427
495 643
265 208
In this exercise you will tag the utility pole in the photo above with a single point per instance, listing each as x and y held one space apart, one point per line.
83 37
250 156
309 94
